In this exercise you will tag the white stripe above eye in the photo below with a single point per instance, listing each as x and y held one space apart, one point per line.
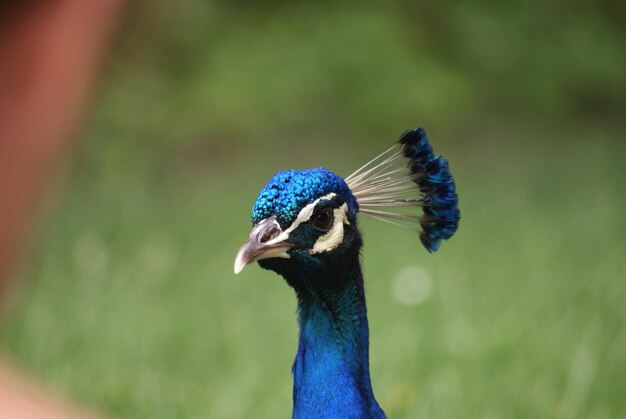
303 216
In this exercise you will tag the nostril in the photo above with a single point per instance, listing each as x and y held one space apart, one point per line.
270 234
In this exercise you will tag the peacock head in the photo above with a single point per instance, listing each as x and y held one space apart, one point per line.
302 220
305 220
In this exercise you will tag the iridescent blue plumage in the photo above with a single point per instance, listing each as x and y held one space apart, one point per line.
441 212
287 192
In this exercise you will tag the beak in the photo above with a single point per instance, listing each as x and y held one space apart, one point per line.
267 240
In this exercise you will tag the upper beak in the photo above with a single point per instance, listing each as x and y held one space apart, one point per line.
267 240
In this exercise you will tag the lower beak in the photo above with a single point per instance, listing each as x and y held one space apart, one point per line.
266 240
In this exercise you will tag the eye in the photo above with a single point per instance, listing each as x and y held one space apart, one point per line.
323 220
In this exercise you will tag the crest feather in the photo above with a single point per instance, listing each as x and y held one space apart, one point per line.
405 176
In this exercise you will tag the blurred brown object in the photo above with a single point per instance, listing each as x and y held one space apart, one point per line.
49 53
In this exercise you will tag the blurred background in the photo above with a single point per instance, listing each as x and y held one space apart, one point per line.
128 301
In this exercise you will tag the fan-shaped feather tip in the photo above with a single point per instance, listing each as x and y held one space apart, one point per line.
436 184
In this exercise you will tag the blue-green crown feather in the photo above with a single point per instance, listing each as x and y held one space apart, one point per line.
406 176
441 212
287 192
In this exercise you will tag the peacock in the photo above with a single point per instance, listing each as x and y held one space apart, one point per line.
305 229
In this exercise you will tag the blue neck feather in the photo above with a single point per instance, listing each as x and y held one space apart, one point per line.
331 369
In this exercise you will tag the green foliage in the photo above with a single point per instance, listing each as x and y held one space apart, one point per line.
215 72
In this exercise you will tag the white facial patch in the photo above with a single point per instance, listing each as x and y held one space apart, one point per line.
328 241
334 236
303 216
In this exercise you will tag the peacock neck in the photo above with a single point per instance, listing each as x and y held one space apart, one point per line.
331 369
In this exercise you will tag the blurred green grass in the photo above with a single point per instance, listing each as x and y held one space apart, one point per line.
130 302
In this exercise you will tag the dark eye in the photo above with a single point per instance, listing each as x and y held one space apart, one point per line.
323 220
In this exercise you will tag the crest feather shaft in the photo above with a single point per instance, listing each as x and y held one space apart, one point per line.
405 176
